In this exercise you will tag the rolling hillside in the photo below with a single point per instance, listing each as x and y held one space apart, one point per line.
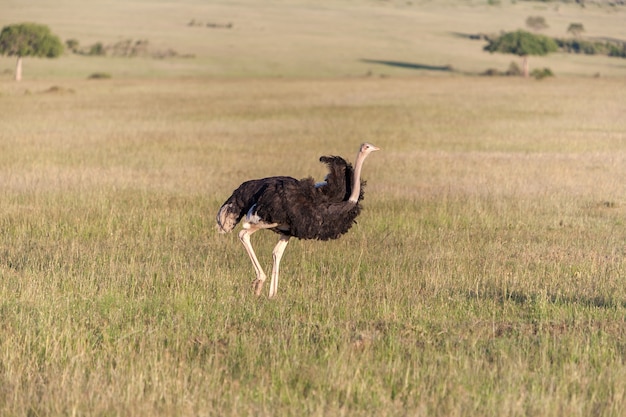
300 38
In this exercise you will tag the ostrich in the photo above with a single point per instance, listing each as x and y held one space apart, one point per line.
296 208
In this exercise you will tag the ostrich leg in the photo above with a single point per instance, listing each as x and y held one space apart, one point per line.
244 236
277 254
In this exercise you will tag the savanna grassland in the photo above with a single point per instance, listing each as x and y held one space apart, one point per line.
485 276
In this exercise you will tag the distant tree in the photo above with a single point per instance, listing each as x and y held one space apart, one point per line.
536 23
28 39
575 29
522 43
72 44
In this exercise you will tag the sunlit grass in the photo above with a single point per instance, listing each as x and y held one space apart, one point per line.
484 277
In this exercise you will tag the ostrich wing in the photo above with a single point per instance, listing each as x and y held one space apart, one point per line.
245 197
338 180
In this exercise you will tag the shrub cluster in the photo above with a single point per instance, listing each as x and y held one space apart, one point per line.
581 46
513 71
541 73
124 48
508 42
521 43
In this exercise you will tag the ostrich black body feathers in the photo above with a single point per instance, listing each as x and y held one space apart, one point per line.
299 208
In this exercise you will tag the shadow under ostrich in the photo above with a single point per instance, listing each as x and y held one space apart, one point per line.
296 208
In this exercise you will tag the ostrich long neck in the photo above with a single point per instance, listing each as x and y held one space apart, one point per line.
356 177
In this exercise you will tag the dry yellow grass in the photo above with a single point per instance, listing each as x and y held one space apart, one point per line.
485 275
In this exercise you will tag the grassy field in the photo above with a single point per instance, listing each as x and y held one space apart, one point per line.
485 276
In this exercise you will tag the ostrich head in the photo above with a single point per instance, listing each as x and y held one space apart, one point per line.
367 148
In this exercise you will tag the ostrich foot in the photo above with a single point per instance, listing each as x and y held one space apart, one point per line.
258 286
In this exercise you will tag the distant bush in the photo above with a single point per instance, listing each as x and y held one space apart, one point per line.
127 48
616 50
536 22
575 29
99 76
491 72
97 49
581 46
72 45
540 74
514 70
